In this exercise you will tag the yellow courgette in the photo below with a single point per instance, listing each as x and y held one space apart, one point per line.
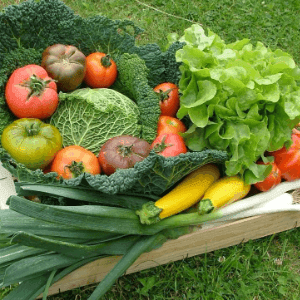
224 191
187 193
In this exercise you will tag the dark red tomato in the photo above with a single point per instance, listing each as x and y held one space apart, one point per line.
65 64
122 152
168 124
288 160
271 180
169 98
74 160
31 93
171 144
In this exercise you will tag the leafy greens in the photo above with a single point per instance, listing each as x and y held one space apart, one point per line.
30 27
239 98
154 175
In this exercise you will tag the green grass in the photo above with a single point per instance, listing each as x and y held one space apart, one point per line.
267 268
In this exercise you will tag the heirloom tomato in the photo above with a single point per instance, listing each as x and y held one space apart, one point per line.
122 152
171 144
31 93
101 70
273 178
74 160
65 64
31 142
168 98
168 124
288 160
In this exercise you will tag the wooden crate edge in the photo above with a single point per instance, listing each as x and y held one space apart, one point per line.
196 243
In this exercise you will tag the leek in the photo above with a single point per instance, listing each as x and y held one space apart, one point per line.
145 243
114 247
82 194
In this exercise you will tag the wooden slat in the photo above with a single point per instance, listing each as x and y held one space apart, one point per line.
199 242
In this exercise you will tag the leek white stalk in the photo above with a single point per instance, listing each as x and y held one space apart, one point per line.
282 200
280 203
264 210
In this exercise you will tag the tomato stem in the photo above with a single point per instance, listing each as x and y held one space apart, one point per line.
125 150
159 147
164 95
32 129
36 85
105 61
76 168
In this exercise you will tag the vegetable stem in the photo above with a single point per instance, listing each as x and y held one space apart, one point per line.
144 244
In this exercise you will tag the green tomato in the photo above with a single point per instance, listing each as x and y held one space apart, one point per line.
31 142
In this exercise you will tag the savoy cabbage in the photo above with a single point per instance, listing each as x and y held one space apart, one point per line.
89 117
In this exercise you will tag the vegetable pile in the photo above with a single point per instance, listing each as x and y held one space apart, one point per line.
116 147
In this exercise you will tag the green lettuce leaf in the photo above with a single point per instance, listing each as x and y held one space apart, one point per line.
240 98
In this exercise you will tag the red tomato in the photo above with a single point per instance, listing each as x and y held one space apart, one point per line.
101 70
288 160
122 152
171 144
271 180
169 98
31 93
74 160
168 124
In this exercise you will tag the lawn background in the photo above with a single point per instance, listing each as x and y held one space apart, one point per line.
268 268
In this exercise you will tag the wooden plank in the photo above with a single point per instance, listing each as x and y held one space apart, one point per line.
199 242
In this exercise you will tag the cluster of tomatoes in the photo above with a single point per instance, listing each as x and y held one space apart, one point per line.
285 164
122 152
32 96
169 141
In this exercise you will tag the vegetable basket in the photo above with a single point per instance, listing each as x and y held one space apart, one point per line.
44 244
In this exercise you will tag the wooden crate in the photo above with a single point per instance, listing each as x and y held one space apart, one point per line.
206 239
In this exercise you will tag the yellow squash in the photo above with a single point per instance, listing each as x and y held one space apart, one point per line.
187 193
222 192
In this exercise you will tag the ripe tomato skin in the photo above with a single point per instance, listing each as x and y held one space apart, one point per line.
65 64
170 144
271 180
122 152
168 124
31 93
73 160
169 98
31 142
101 70
288 160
